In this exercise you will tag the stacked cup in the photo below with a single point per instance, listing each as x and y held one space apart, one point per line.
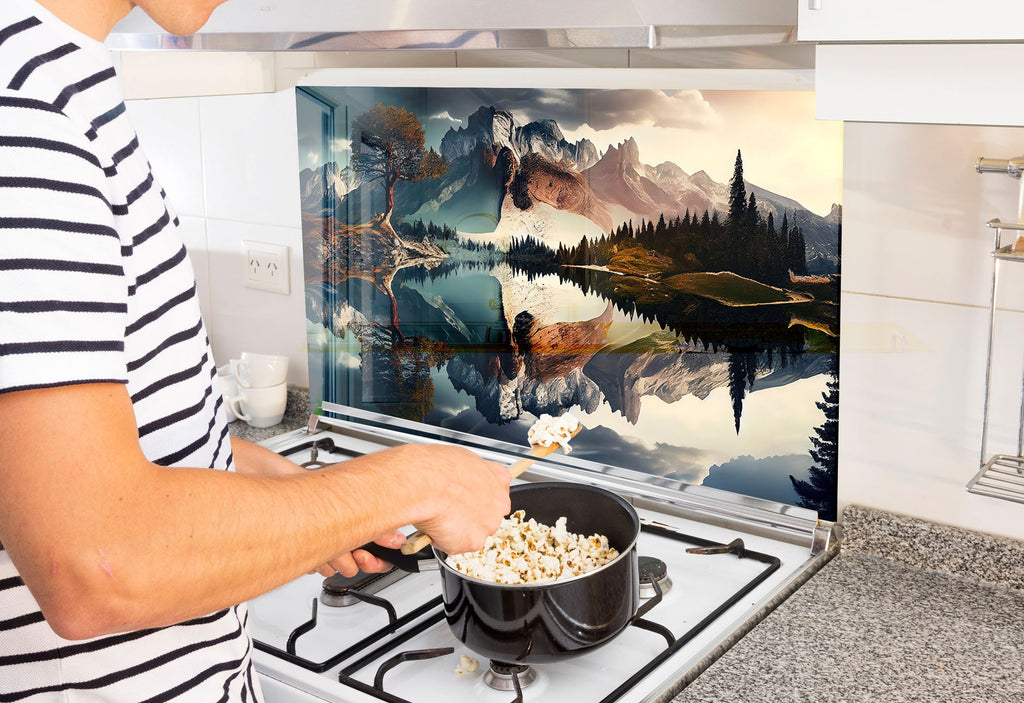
260 393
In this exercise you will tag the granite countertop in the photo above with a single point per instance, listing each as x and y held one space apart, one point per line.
907 611
296 415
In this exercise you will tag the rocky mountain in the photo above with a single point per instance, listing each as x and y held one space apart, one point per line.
485 126
317 186
489 126
494 157
557 184
620 179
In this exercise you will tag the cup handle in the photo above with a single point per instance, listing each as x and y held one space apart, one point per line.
235 403
240 368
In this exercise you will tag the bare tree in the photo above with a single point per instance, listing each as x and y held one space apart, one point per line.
389 147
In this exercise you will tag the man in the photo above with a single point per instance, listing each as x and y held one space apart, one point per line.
131 524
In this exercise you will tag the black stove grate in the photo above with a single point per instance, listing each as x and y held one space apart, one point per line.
432 613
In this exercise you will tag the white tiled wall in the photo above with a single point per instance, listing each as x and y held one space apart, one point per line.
917 282
916 271
230 167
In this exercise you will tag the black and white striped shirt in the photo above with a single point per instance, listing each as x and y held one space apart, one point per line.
95 286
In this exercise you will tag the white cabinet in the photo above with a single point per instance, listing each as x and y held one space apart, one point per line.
922 61
934 61
923 83
910 20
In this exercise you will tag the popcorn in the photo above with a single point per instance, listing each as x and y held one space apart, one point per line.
553 430
467 665
525 551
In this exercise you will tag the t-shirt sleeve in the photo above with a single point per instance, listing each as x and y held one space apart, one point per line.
63 289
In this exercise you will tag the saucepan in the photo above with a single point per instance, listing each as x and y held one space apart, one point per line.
546 621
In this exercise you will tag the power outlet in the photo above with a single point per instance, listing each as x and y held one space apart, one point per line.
265 266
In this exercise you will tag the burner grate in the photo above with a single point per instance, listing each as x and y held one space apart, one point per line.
330 663
388 643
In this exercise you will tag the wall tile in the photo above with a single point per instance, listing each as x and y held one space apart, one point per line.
551 58
163 74
294 68
168 130
250 158
916 278
911 405
919 82
386 59
780 56
914 210
254 320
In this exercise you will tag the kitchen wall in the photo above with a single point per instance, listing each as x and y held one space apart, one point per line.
916 266
230 168
917 277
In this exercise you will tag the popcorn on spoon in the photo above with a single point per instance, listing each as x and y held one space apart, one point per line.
546 436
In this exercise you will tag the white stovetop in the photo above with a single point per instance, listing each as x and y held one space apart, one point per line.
588 677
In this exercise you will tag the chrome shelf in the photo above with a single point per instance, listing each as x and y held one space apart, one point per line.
1001 475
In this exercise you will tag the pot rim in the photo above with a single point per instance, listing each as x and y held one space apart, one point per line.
441 555
532 584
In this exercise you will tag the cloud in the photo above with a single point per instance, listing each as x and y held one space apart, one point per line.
348 360
685 109
598 444
766 478
604 445
444 116
601 109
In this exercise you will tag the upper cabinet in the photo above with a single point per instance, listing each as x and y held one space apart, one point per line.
910 20
935 61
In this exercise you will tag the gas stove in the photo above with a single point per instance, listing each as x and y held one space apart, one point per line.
712 565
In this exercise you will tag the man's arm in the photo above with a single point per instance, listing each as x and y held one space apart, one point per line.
107 541
253 459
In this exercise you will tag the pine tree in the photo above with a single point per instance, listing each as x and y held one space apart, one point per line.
819 491
660 229
742 372
752 218
737 194
736 219
796 252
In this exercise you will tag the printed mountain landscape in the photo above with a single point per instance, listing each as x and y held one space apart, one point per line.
493 156
505 271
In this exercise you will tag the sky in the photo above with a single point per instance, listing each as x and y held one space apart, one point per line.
785 149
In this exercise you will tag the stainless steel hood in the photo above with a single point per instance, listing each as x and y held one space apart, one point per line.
367 25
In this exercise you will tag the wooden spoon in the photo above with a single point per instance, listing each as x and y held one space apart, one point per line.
418 540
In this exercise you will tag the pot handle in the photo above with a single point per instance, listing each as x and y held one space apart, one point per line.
416 562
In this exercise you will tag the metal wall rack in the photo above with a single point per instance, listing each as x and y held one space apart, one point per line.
1001 475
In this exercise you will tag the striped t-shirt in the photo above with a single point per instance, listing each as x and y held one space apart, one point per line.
95 286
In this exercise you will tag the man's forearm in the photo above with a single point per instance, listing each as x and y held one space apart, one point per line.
107 541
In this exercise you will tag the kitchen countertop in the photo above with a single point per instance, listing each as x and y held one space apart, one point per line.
909 610
296 415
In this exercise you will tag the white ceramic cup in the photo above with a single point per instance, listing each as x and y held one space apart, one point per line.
228 388
259 370
260 407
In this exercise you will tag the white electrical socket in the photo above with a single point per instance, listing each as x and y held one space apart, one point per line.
265 266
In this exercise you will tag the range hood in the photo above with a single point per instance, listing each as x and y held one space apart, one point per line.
361 25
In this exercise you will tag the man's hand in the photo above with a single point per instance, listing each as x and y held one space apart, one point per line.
350 563
467 495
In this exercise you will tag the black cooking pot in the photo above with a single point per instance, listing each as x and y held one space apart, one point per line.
543 622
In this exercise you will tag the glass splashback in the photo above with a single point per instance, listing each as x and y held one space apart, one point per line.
663 263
